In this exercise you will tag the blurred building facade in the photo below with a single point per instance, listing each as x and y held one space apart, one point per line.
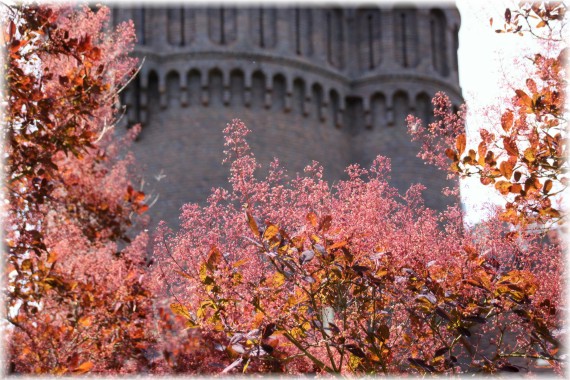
331 84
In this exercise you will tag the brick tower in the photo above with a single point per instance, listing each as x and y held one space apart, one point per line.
328 84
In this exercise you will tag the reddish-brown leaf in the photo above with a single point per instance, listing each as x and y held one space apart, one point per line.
531 85
547 186
472 155
516 188
507 120
214 258
508 16
252 224
532 184
482 151
490 158
510 146
325 223
312 218
451 154
517 176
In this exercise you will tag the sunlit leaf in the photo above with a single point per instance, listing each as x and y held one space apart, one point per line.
460 143
504 187
278 279
524 100
529 155
239 263
83 368
85 321
482 152
338 244
181 310
270 232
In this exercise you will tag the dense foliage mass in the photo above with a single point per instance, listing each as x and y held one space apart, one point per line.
75 297
282 274
297 275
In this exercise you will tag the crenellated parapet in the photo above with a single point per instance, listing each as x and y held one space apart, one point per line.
306 92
